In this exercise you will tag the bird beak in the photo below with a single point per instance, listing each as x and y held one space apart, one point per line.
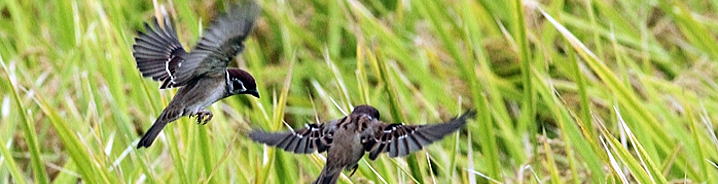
254 93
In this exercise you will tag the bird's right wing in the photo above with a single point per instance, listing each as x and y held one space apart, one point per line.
219 43
158 52
400 140
313 137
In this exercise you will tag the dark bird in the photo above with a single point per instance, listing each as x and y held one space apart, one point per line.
202 74
347 139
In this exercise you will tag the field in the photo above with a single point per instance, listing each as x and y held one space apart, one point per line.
567 91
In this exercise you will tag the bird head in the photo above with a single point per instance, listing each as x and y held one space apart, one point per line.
366 109
241 82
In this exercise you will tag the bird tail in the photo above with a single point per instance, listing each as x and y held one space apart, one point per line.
167 116
329 175
151 134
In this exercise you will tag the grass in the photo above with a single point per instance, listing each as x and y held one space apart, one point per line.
589 91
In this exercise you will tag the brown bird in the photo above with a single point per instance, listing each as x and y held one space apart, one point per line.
347 139
202 73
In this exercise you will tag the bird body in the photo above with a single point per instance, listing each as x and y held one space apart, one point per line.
203 93
346 149
202 75
198 95
346 140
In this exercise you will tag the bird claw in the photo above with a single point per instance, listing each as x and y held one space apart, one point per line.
203 117
354 169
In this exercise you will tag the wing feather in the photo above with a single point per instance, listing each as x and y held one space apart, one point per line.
158 52
220 43
305 140
400 140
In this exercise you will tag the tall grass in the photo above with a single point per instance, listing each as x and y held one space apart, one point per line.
568 91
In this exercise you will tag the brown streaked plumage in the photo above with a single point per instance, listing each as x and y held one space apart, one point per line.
347 139
202 73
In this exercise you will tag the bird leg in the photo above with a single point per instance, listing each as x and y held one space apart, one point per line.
204 116
354 169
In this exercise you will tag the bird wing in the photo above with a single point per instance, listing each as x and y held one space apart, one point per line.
158 52
313 137
219 44
399 140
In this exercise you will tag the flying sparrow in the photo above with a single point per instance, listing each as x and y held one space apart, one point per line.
202 74
347 139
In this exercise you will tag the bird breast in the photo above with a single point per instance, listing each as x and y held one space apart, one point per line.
205 93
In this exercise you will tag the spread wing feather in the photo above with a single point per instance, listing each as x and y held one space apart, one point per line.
158 52
400 140
314 137
219 44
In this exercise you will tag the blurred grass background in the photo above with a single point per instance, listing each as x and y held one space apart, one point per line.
568 91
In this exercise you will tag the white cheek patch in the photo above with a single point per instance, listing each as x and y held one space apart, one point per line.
227 82
226 75
241 84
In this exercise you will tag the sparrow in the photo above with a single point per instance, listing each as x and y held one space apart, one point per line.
202 75
347 139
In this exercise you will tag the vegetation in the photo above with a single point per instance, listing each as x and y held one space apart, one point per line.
568 91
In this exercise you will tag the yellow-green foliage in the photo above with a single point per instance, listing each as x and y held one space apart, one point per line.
568 91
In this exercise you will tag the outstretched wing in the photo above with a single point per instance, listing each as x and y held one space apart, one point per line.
306 140
400 140
158 52
219 44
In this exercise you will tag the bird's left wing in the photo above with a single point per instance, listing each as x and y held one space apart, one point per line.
219 44
400 140
158 52
313 137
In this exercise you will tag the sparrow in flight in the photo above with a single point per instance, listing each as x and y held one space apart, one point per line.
202 74
347 139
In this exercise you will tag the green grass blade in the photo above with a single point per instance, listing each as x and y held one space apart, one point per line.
28 127
10 164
